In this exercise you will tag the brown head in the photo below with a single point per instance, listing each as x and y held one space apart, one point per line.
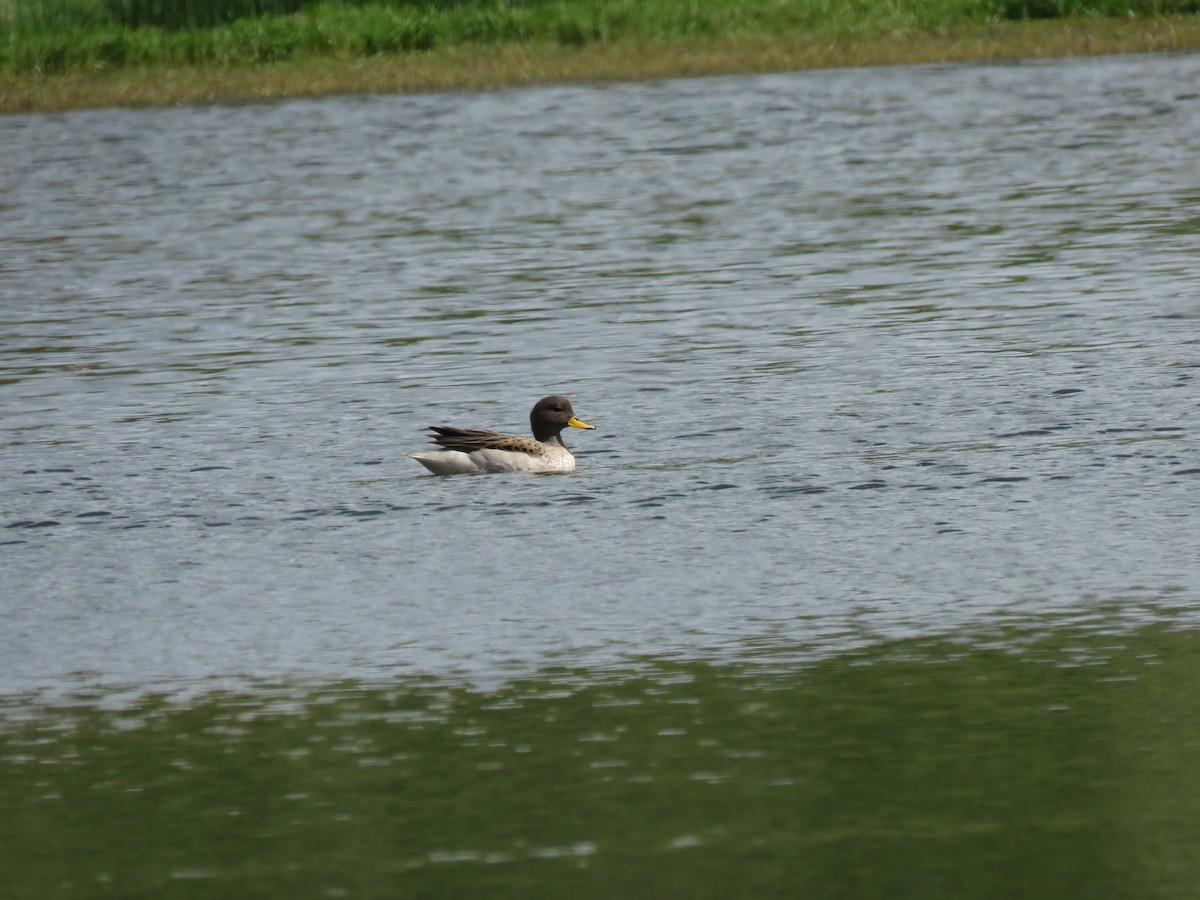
551 415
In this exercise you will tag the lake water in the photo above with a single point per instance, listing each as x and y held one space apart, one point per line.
879 576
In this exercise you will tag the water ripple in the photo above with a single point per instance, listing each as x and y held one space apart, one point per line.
872 353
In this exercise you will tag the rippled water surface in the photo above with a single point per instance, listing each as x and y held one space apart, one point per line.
875 356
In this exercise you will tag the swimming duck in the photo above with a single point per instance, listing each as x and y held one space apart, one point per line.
470 451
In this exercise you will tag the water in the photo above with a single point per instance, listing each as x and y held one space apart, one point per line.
886 364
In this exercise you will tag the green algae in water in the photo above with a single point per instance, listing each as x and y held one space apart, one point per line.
930 769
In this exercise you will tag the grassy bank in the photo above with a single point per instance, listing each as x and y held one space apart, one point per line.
57 54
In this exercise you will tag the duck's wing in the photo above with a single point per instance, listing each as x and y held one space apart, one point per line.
470 439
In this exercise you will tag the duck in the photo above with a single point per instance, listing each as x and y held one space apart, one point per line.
473 451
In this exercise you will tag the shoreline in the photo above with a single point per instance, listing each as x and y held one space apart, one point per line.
522 65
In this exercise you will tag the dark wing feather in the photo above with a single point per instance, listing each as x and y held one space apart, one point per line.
468 439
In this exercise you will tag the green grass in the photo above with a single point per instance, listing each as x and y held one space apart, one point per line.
55 36
64 54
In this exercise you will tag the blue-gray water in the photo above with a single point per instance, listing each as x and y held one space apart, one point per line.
875 356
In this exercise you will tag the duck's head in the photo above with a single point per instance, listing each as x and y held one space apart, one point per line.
551 415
